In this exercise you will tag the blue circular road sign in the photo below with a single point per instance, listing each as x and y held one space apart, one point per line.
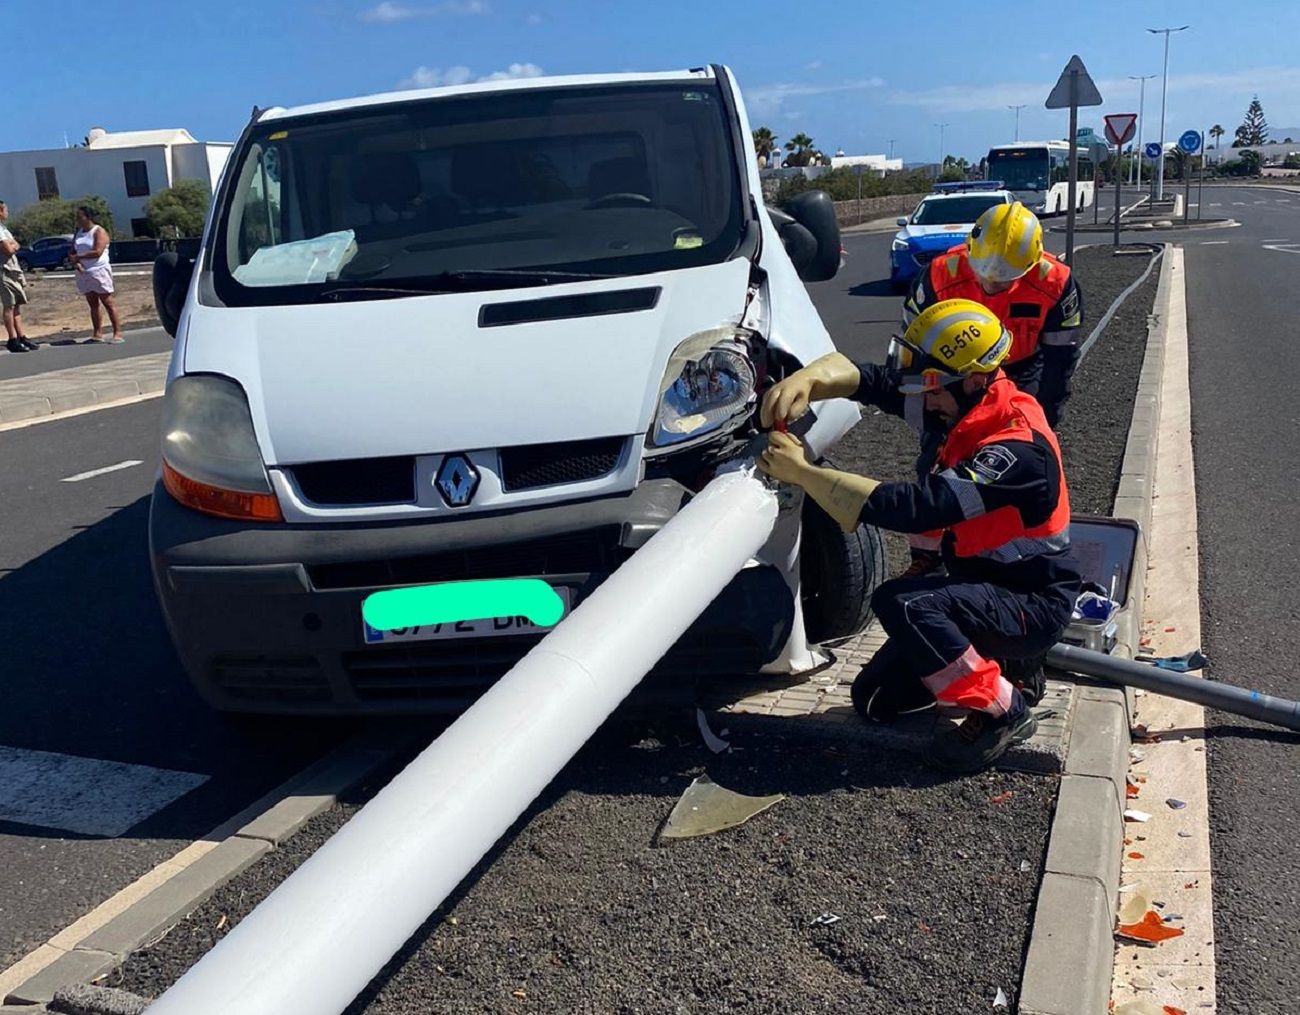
1152 150
1190 141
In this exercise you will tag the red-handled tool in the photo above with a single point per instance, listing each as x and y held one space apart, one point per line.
780 426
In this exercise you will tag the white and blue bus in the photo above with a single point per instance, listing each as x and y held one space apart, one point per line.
1038 174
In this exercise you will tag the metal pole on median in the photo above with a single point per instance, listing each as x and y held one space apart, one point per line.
1164 94
1200 181
1119 204
1074 166
1187 190
322 935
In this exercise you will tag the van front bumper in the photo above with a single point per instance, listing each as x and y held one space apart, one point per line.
267 618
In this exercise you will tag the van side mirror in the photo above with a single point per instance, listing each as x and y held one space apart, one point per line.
171 281
810 233
901 220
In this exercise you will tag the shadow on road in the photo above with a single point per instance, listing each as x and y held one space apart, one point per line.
89 671
880 287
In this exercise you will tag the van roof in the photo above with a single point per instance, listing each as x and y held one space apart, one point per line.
482 87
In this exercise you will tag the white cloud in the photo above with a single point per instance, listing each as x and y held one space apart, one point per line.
515 70
995 97
388 12
434 77
815 65
768 100
534 20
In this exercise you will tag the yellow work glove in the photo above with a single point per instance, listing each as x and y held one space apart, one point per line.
840 494
831 376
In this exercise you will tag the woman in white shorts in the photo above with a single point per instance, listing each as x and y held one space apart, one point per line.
94 274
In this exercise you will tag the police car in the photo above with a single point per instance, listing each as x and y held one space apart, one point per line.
942 220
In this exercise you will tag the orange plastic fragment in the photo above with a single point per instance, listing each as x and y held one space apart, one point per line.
1001 798
1169 1009
1132 791
1136 856
1150 929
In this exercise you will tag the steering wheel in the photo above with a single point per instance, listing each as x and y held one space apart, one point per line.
625 199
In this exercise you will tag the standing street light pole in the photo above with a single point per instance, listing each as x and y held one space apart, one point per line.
1137 146
892 140
939 168
1017 109
1164 92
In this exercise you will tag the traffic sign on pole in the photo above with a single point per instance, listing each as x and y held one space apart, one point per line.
1120 127
1152 150
1075 88
1190 141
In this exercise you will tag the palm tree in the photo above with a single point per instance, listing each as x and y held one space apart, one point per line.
799 147
1217 132
764 142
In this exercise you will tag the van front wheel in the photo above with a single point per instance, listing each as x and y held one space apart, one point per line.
838 573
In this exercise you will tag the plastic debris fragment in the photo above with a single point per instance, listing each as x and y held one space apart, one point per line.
1136 856
826 919
1131 790
1001 798
1132 814
1151 929
713 742
1184 835
1176 804
1193 660
1135 906
1000 1000
706 808
1025 867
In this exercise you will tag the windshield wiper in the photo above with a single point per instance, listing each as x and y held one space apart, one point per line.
468 280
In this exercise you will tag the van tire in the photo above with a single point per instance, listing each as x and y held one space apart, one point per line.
839 571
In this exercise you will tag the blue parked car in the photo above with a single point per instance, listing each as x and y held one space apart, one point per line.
47 252
942 220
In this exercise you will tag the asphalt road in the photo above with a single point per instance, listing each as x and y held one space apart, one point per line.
1246 438
88 672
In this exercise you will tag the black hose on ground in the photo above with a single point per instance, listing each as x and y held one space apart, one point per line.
1225 697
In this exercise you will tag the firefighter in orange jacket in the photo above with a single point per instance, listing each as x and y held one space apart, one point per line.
997 502
1003 266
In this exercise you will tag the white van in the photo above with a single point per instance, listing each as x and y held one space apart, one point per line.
494 330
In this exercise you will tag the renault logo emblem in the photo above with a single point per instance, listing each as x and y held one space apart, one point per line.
457 480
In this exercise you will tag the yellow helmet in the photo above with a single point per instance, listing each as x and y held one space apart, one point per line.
1005 242
947 342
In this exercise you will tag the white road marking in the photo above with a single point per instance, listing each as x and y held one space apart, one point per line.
1238 203
101 472
1286 248
85 795
1280 239
1216 204
1212 243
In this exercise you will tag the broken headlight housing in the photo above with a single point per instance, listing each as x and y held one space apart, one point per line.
707 390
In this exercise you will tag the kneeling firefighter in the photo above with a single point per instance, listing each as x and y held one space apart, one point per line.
996 501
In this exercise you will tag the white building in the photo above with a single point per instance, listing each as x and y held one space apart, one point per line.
877 164
124 168
1274 152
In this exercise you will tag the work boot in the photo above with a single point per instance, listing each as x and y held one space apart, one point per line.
981 739
27 343
884 701
1026 675
13 345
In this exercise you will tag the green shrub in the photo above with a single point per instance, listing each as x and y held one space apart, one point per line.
56 217
178 210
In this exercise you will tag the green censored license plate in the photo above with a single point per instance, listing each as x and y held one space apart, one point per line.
482 609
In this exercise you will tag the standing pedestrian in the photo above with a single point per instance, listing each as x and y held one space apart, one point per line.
95 274
12 292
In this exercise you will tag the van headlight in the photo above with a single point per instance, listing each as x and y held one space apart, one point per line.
899 243
211 461
707 389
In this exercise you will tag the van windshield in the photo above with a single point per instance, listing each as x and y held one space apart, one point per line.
480 191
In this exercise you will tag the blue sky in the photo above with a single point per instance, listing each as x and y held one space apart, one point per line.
852 75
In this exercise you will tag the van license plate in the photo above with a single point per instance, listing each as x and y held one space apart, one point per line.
491 627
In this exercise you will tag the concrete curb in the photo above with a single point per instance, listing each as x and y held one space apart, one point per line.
1071 952
49 394
263 826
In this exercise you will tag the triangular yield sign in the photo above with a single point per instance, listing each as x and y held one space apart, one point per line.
1120 127
1085 93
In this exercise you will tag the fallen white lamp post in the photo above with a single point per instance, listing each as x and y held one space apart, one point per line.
319 938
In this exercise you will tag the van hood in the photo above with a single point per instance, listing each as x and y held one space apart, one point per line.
420 375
